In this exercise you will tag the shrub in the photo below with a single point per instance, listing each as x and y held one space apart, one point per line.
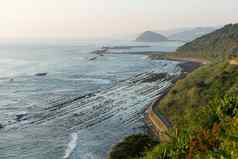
216 137
132 146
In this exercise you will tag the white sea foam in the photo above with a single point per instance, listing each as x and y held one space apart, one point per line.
71 146
98 81
101 119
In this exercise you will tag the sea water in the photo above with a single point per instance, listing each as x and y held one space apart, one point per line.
82 107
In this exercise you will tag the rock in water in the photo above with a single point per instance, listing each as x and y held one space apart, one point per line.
1 126
93 58
41 74
155 77
20 117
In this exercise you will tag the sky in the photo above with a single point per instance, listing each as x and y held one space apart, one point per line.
85 19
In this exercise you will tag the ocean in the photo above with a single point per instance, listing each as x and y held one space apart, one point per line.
84 105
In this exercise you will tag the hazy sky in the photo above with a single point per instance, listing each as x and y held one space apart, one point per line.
104 18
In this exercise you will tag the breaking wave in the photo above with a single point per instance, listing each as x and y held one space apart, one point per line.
71 146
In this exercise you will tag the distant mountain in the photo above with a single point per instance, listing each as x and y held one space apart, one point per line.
217 43
191 34
150 36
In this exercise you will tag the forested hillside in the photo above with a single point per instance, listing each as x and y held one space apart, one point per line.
215 44
202 107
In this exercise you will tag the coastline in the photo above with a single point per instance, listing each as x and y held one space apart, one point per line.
157 123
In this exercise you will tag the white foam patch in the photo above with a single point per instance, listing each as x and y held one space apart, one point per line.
98 81
71 146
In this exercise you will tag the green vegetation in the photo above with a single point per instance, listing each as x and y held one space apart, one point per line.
216 135
202 107
216 45
196 90
133 146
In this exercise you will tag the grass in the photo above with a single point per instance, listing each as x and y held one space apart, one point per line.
215 137
213 45
203 108
196 90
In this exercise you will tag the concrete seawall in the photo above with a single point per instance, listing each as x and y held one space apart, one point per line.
157 123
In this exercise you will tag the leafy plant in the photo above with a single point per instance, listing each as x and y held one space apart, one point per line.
132 146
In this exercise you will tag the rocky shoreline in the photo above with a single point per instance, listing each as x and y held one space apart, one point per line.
157 124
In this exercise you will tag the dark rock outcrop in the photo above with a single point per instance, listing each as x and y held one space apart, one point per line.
155 77
1 126
20 117
41 74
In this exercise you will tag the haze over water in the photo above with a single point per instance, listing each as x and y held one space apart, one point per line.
87 19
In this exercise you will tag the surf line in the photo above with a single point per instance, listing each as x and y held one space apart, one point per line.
71 146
